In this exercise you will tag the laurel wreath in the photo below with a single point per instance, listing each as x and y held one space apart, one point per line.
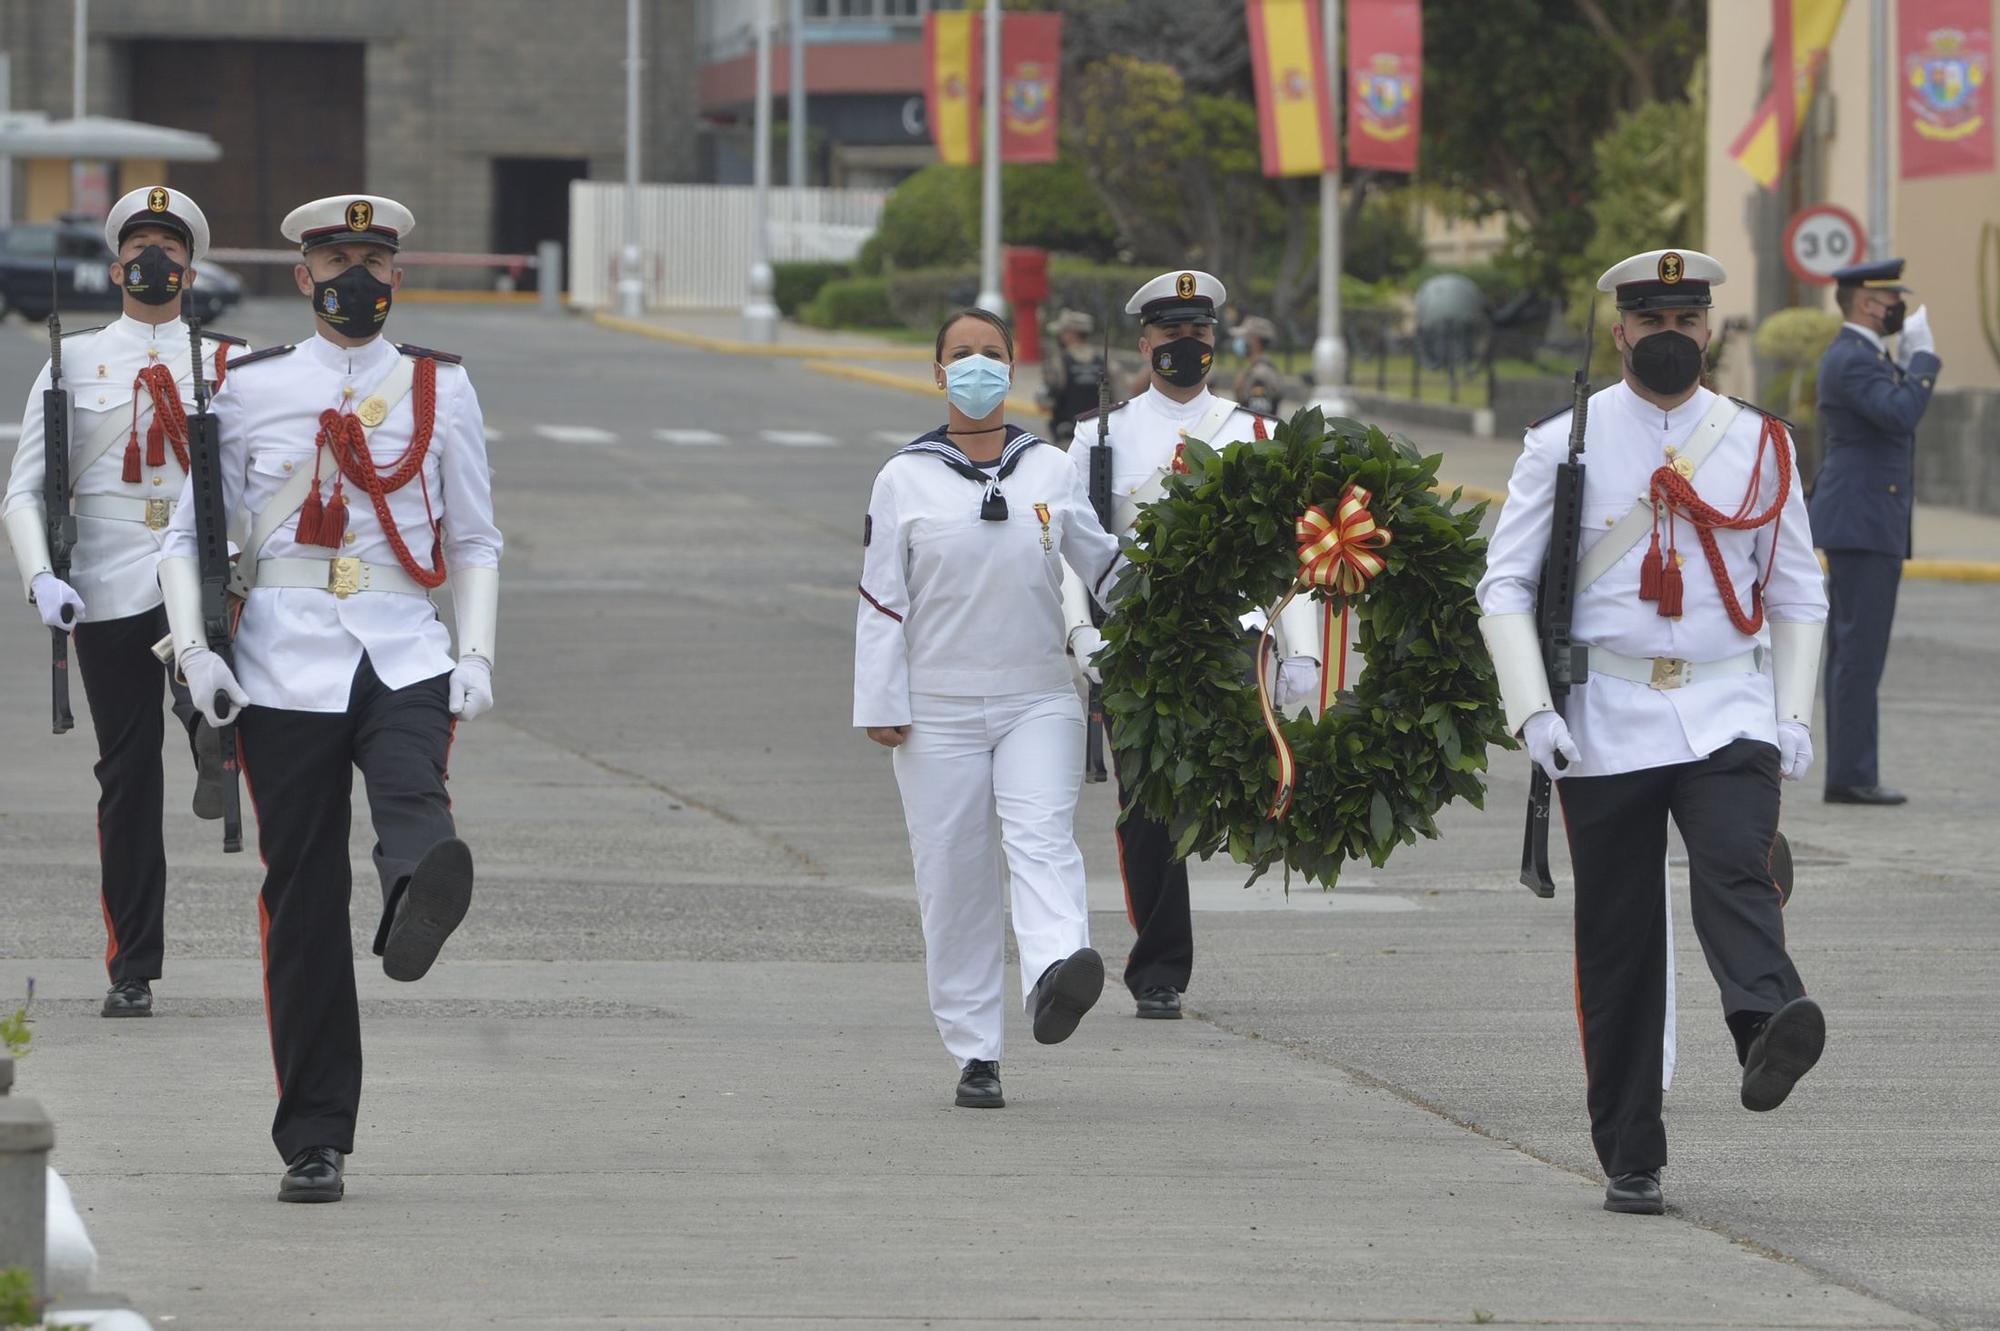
1406 739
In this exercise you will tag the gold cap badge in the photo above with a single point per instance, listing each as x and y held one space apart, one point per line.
360 215
156 200
1184 286
1671 268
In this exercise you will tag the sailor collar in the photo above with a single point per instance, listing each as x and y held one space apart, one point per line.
992 503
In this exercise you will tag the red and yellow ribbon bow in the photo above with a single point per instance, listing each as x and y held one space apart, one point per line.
1339 553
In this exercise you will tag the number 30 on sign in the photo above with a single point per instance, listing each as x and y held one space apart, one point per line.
1820 240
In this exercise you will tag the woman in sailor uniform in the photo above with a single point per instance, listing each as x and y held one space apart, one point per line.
960 669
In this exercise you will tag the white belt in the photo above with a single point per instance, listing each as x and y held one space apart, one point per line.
344 576
1671 672
155 513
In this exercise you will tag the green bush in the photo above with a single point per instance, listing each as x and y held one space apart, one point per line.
17 1299
1383 243
1794 340
851 302
795 284
925 223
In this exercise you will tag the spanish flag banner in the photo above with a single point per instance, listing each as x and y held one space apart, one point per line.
952 84
1294 108
1801 31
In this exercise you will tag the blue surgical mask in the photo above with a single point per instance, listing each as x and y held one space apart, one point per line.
1238 347
977 385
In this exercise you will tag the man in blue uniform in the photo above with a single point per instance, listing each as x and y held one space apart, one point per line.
1869 404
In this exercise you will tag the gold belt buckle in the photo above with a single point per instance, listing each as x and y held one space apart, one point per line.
1669 672
343 576
159 512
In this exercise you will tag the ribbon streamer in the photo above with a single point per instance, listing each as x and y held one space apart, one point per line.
1338 553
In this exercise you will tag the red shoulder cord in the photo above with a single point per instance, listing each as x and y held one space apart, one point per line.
169 422
342 434
1660 577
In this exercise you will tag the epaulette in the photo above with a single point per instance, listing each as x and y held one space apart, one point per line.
78 332
1752 406
267 353
1091 415
1559 411
229 338
442 357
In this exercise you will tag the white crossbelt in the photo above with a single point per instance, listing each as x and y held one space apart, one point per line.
344 576
153 513
1638 520
1671 672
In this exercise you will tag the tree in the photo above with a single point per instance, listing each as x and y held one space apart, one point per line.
1649 183
1518 92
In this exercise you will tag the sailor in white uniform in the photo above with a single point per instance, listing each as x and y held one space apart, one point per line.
131 387
1177 319
358 467
959 668
1702 607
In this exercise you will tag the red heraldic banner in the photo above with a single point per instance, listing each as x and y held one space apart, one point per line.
1030 61
1294 108
1385 61
1944 58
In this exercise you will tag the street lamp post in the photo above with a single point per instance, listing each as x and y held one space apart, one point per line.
631 287
989 194
760 316
795 121
1878 117
1329 350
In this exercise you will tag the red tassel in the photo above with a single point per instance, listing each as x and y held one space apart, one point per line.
1650 570
309 520
1257 427
333 520
156 444
131 473
1670 592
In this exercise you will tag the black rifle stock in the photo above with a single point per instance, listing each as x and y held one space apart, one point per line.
1100 502
60 522
211 535
1563 657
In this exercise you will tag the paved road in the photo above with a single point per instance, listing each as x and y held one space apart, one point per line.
676 1070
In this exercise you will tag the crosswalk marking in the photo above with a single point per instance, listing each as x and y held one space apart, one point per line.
893 438
691 438
799 439
576 434
494 436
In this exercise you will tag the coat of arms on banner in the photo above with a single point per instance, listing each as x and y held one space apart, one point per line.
1028 97
1948 87
1386 85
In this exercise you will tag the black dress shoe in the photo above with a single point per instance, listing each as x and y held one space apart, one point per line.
1865 795
313 1176
1783 1051
979 1086
208 772
1065 992
1636 1193
129 998
433 904
1160 1003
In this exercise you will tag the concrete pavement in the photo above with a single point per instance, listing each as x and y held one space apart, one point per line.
676 1069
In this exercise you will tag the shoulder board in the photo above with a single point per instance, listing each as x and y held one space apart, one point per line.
229 338
79 332
1752 406
266 354
1091 415
1560 411
422 353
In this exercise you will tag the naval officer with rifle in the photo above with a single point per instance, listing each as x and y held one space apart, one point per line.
1671 675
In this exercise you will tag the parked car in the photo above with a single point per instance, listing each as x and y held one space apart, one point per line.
83 273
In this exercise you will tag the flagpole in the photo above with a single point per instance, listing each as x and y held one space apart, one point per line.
989 194
760 316
1878 114
1329 350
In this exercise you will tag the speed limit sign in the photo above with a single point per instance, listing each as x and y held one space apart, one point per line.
1821 239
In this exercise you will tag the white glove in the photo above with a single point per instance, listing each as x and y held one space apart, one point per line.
53 597
1795 753
1917 335
1084 643
1298 680
1547 736
206 676
472 688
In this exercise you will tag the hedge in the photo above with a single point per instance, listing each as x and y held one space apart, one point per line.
796 284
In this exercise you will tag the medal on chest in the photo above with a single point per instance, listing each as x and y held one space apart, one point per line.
1042 512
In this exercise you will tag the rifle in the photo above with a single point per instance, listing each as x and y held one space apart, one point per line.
61 523
1100 502
211 537
1567 661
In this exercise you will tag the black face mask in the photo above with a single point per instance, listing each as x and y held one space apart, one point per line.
1892 318
355 303
1183 362
1668 363
152 278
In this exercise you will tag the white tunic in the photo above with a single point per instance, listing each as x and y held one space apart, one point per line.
955 605
114 563
1620 725
297 648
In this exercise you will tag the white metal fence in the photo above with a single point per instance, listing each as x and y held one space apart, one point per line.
697 242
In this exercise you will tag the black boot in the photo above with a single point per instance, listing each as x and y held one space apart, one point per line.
1782 1052
979 1086
129 998
1636 1193
1160 1003
1065 992
313 1175
432 905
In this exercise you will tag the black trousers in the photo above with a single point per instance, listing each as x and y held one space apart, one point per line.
122 683
1156 902
1726 807
299 769
1861 607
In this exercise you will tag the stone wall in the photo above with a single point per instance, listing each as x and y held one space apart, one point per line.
1958 451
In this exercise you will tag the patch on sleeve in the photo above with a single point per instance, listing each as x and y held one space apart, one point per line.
868 529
